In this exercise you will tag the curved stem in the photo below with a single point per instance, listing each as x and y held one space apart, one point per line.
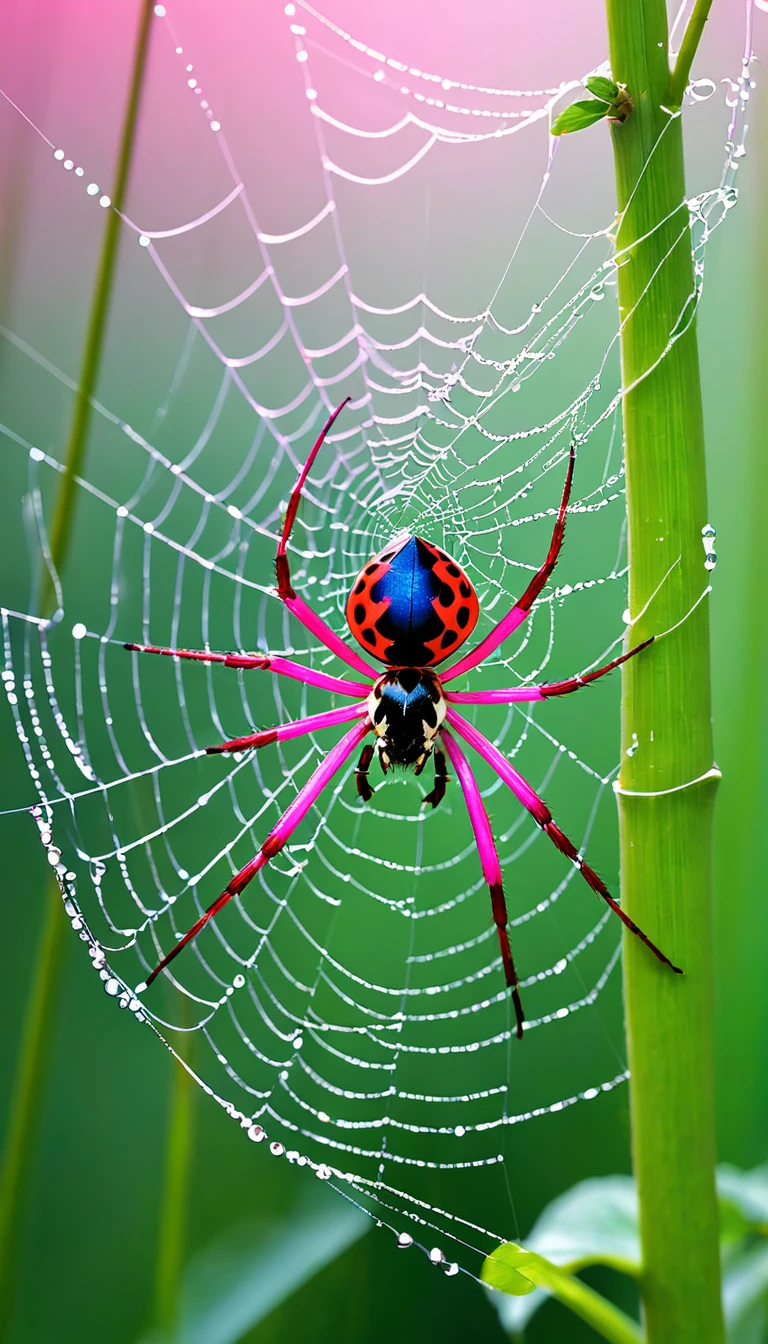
607 1320
509 1266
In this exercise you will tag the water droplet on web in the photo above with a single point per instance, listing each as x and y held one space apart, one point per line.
708 538
112 987
256 1134
404 1240
238 981
276 1149
323 1172
459 1131
597 293
632 748
436 1256
451 1269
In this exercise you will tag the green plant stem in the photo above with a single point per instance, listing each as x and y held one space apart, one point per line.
678 80
666 838
38 1021
503 1270
607 1320
173 1222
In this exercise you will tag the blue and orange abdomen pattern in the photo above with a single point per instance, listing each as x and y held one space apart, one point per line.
412 605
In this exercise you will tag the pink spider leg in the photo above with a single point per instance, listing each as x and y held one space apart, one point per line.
274 842
543 817
264 663
522 607
297 728
293 602
489 860
518 694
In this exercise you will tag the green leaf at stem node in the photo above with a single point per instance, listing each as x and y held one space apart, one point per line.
580 115
602 88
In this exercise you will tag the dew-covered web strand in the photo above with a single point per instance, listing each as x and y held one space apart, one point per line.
417 476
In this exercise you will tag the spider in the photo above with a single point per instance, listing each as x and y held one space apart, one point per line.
411 607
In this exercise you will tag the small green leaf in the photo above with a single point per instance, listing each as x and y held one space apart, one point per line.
579 115
511 1266
502 1270
602 88
596 1223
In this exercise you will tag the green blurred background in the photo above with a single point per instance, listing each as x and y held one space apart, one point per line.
88 1242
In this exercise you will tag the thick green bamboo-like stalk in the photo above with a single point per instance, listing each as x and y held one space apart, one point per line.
665 815
38 1021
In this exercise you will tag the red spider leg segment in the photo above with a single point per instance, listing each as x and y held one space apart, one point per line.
522 607
543 817
297 728
266 663
274 842
293 602
519 694
489 860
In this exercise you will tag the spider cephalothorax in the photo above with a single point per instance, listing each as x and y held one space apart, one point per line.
407 710
410 607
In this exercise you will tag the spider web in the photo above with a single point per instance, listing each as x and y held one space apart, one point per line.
349 1008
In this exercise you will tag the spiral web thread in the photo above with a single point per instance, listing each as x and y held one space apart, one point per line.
336 995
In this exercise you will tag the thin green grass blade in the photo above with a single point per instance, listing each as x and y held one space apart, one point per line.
38 1020
741 932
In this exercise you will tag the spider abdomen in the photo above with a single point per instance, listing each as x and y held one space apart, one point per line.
412 605
407 708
